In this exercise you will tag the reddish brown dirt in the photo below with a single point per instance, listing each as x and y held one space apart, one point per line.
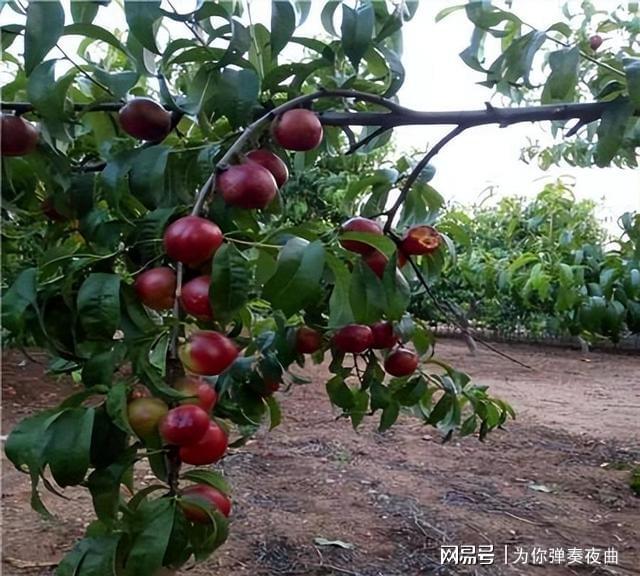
396 497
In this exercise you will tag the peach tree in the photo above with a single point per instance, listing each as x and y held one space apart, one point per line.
144 176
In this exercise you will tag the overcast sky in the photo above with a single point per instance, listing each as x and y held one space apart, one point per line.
436 79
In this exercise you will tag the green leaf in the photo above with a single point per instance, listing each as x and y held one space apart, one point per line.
389 416
275 413
16 300
295 283
45 23
48 95
339 393
153 522
397 291
209 477
611 130
94 556
98 370
366 294
357 31
632 70
104 485
141 18
283 24
99 305
340 312
117 400
236 94
84 10
97 33
69 446
25 448
147 176
446 11
327 14
360 407
561 83
230 281
382 243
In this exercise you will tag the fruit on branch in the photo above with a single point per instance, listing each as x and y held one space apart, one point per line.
595 41
209 449
297 129
383 335
145 119
208 353
17 136
184 425
49 210
156 288
202 394
359 224
271 162
420 240
194 298
145 414
247 185
354 338
192 240
308 340
377 261
401 362
203 495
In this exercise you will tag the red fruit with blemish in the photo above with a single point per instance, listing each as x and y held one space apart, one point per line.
248 185
192 240
383 335
297 129
271 162
145 119
353 338
17 136
156 288
308 340
359 224
401 362
420 240
208 353
194 298
209 449
184 425
204 495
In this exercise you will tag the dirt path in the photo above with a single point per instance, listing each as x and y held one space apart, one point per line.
396 497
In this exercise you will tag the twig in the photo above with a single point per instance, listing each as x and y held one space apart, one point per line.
357 145
84 73
419 167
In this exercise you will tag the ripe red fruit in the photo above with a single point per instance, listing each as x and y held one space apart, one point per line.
354 338
297 129
17 136
595 41
209 449
145 119
383 335
202 394
184 425
49 210
194 298
206 495
271 162
308 340
145 414
192 240
420 240
208 353
248 185
401 362
156 288
359 224
377 261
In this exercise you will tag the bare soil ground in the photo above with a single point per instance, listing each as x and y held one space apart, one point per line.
396 497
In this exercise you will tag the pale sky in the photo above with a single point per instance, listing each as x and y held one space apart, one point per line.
436 79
